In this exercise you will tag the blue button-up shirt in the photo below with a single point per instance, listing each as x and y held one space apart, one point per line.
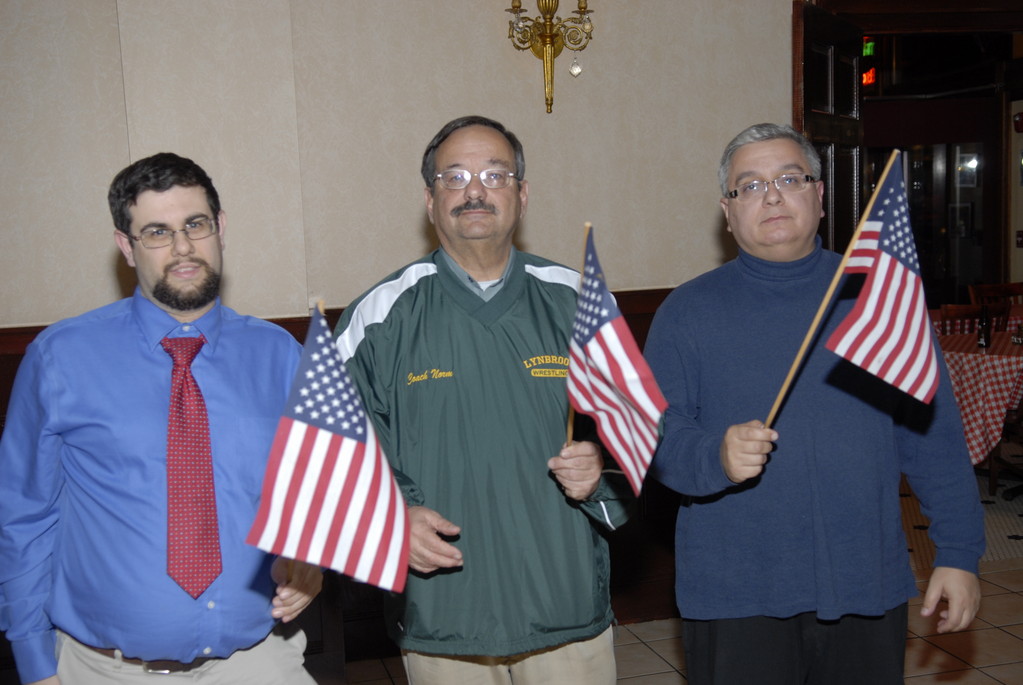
83 487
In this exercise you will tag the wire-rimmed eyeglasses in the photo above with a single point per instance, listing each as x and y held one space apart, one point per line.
153 237
456 179
786 183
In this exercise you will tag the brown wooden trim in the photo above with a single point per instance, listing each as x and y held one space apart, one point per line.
917 6
798 63
14 340
638 307
641 301
929 16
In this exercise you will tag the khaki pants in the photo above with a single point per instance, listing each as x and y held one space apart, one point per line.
589 662
277 659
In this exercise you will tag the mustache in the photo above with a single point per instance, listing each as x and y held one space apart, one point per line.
473 205
192 260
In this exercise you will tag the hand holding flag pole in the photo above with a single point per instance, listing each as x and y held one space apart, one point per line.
888 332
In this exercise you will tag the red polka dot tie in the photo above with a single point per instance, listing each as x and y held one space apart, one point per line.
193 545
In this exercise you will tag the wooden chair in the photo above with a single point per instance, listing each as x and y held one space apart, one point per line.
964 318
993 293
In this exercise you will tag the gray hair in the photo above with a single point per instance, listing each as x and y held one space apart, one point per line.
759 133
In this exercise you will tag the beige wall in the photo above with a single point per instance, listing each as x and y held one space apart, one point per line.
311 116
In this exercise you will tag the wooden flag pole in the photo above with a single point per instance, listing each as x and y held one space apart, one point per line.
798 361
571 410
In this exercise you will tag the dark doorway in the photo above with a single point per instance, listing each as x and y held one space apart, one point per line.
937 80
941 98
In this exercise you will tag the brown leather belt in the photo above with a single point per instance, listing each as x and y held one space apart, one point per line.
162 666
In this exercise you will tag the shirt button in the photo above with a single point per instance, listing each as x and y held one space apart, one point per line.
207 650
211 604
186 328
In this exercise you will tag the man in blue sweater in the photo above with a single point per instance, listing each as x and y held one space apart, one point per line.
792 566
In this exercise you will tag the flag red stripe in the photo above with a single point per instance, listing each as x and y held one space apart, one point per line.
315 510
607 396
861 259
400 514
270 482
363 522
346 505
899 365
301 460
377 569
623 336
885 321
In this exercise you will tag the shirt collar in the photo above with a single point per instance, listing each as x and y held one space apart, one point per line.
463 277
784 271
156 324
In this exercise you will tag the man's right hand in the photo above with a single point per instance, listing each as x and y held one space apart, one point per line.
52 680
744 450
427 551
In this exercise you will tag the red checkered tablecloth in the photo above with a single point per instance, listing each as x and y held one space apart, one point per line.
987 382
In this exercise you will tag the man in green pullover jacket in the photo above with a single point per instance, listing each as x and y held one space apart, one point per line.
461 359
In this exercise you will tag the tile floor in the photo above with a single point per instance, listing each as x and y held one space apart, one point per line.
991 652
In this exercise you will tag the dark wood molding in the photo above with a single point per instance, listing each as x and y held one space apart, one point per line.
639 303
929 16
638 307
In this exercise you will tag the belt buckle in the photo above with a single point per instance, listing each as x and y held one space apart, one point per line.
154 667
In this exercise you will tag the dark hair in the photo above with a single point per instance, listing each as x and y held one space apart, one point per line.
160 172
430 156
759 133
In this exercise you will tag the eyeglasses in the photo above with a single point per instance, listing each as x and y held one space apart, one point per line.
153 237
456 179
786 183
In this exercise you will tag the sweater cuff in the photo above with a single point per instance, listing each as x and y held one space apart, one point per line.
957 558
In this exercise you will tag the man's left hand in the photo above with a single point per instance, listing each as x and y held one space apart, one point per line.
297 584
961 589
578 467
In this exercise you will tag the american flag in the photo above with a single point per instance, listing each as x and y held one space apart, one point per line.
608 377
329 497
888 332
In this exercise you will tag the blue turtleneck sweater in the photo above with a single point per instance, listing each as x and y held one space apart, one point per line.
820 530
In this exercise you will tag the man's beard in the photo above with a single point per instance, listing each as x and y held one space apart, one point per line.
193 299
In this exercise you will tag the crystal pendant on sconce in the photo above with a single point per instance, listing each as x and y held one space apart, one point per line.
575 69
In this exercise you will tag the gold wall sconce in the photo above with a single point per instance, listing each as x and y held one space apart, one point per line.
547 34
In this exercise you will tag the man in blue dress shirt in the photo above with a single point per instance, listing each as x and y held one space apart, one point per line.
85 595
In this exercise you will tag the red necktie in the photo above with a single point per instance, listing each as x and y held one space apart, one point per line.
193 545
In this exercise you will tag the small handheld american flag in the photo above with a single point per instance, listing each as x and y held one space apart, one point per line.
888 332
608 377
329 496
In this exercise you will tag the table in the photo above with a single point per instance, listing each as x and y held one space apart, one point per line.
1015 319
987 382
